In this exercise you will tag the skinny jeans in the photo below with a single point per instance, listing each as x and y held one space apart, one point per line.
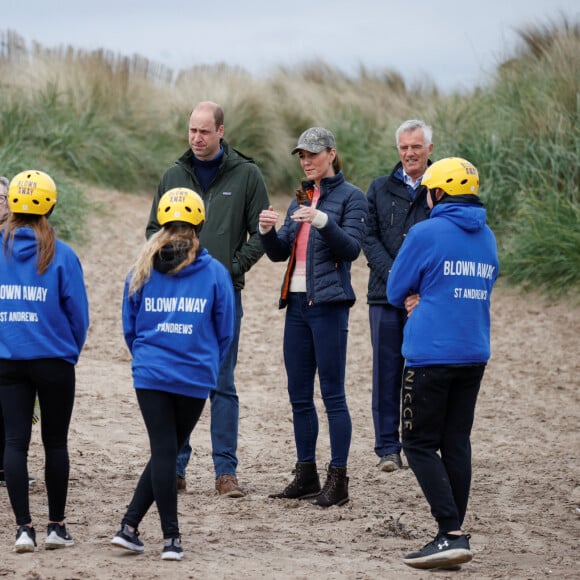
20 381
169 419
315 339
437 417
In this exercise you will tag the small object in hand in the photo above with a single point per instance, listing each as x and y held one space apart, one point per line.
301 196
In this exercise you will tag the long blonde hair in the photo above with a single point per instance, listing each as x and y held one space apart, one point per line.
169 233
43 231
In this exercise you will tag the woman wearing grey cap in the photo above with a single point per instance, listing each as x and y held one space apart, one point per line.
321 235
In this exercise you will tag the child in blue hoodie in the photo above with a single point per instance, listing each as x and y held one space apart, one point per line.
4 213
444 275
178 322
44 318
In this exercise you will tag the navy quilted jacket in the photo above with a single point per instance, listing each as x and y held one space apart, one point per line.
391 215
331 249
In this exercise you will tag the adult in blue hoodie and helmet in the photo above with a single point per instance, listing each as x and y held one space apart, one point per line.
444 275
44 318
178 322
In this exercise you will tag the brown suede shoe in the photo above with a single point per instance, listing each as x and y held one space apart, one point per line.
228 485
181 484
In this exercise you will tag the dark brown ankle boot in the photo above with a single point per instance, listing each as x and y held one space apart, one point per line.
335 490
306 483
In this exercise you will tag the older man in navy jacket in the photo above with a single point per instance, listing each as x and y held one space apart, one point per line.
396 202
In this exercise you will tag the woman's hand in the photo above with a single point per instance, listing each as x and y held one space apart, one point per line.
305 214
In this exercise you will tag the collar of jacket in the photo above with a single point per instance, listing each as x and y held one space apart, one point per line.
231 155
397 172
188 157
327 184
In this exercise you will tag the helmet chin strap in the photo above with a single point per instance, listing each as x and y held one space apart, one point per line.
434 199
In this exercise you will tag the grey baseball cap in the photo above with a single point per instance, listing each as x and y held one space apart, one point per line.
314 140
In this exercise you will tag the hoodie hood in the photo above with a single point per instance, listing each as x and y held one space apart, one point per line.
24 247
469 217
169 257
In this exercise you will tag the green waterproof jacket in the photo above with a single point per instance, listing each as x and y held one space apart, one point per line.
233 203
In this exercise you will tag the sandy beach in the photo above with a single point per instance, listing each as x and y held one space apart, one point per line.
526 483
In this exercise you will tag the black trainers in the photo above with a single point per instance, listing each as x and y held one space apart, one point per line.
25 540
443 552
57 537
172 549
128 540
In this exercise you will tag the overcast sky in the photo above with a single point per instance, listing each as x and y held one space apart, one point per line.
456 43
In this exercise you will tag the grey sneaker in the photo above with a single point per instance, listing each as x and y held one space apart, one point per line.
445 551
25 540
124 538
172 549
57 537
390 462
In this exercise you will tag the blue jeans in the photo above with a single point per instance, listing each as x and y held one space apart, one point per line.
224 407
386 326
315 338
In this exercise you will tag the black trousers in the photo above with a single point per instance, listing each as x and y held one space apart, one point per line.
20 381
169 420
437 416
2 439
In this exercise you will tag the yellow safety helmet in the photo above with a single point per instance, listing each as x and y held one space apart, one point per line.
32 192
181 204
455 176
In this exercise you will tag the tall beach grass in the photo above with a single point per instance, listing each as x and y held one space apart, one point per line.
97 118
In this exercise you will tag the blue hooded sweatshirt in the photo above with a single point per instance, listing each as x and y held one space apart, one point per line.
179 327
41 316
451 261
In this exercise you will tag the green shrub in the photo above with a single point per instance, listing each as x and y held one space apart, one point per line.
544 251
99 119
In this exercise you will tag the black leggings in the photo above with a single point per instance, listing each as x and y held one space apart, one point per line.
2 439
20 381
437 417
169 420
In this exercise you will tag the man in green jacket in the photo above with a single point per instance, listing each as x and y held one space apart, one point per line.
234 194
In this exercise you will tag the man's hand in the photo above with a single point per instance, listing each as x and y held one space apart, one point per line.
267 219
411 302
